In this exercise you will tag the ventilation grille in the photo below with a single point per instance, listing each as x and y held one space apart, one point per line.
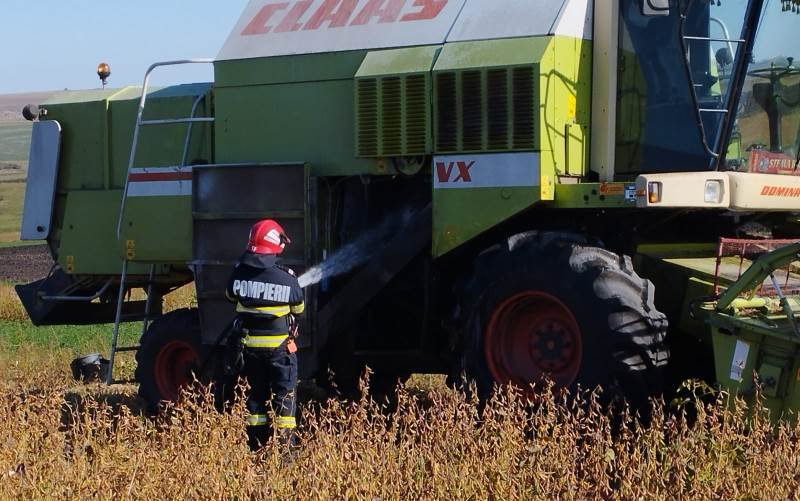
447 112
392 119
486 110
392 116
523 108
367 117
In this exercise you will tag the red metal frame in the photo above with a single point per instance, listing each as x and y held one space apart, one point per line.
744 247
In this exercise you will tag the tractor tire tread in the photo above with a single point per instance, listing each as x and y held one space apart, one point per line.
636 330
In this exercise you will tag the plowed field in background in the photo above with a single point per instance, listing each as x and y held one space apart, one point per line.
24 264
11 104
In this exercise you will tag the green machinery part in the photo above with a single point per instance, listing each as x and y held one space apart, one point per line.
756 339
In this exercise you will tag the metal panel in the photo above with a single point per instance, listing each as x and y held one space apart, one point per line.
88 244
42 176
318 125
750 191
248 188
413 60
230 236
43 312
484 20
269 28
605 59
498 170
576 19
227 200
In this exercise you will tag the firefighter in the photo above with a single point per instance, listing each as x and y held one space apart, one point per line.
268 297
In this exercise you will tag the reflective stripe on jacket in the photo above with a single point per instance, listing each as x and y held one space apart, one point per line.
265 294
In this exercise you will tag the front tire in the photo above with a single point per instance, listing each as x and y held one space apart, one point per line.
545 304
170 356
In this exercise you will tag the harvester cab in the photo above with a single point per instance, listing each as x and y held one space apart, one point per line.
493 190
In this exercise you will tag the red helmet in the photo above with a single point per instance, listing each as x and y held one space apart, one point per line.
267 237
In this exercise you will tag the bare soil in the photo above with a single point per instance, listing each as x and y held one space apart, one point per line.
24 264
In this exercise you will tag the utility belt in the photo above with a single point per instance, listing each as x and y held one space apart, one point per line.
253 340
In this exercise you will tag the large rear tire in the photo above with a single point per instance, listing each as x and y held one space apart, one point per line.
549 304
170 356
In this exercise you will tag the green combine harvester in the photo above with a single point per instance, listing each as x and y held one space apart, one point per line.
493 190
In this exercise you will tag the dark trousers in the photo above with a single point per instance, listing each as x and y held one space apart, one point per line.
272 375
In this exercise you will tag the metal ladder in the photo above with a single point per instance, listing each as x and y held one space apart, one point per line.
741 59
140 122
114 349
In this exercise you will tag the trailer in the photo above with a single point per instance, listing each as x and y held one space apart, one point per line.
530 188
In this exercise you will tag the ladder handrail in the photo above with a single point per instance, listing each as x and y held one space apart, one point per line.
731 101
196 103
140 122
172 121
729 41
725 32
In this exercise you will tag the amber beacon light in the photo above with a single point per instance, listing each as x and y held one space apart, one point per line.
103 71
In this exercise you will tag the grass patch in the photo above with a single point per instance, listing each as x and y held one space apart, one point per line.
20 243
16 331
75 339
28 348
14 145
12 195
15 141
13 172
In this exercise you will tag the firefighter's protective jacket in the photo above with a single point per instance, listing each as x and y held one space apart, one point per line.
265 294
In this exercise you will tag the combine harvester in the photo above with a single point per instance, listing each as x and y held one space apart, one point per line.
542 186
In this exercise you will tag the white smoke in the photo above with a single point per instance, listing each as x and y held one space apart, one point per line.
356 252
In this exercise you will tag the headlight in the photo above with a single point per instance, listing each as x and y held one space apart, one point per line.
713 192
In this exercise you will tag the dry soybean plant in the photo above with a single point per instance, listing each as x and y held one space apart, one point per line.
59 442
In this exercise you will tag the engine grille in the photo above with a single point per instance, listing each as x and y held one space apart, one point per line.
393 116
486 110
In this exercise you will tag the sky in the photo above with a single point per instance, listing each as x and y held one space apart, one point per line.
56 44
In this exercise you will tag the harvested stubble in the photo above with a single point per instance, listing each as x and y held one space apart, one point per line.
10 306
432 447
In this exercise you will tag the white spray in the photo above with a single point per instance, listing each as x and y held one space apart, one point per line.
356 252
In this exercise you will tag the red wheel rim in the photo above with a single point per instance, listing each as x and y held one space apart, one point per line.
531 335
173 368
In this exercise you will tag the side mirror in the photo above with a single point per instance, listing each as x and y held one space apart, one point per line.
724 57
655 7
